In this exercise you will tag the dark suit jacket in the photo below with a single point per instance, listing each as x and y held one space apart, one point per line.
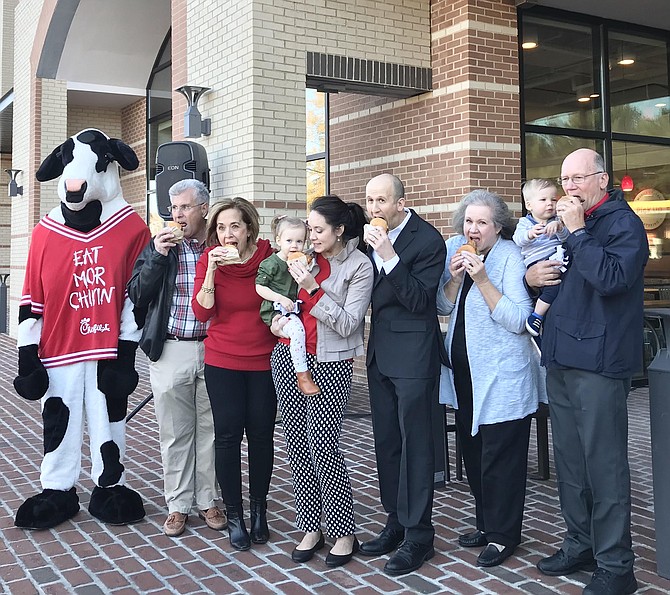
405 337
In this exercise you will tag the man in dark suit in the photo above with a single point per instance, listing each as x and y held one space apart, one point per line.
403 362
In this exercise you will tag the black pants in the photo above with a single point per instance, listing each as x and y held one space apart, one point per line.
402 425
242 402
496 463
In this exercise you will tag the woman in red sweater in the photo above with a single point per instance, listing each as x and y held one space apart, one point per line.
237 361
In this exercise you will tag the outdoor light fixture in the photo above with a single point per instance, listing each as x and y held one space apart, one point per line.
194 125
626 182
14 188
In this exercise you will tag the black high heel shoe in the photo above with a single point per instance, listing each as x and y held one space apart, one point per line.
335 560
302 556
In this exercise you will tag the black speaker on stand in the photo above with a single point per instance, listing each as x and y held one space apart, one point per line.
176 161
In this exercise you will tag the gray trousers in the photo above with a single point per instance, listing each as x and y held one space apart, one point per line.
589 424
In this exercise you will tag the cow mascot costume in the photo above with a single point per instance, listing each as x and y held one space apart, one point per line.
77 333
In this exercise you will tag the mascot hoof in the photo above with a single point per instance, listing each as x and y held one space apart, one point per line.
48 509
118 505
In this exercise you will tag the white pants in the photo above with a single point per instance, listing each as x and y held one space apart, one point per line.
295 331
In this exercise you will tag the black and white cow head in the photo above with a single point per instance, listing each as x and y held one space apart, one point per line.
86 165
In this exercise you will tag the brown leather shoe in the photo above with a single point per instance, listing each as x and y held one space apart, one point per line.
214 517
306 384
175 524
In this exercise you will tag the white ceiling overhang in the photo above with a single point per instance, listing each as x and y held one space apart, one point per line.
104 50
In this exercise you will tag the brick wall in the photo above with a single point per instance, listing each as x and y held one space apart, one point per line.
6 45
106 119
463 135
134 133
253 55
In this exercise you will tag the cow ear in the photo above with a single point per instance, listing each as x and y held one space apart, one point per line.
53 165
123 154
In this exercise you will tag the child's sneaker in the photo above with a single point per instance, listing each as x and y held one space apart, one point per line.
537 342
534 324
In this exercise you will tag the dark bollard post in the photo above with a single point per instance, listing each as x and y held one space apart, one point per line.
3 303
659 413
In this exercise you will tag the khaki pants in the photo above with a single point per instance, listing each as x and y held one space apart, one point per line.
185 426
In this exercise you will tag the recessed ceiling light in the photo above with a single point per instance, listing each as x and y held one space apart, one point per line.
583 99
594 95
529 45
626 62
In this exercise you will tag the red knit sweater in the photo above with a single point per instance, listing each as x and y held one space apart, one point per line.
237 338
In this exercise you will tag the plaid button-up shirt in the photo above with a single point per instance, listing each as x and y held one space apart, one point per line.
182 322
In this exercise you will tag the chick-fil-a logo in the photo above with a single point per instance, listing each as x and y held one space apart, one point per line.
86 328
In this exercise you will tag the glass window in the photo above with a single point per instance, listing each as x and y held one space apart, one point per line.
316 144
316 179
545 153
649 169
160 93
629 127
638 75
561 86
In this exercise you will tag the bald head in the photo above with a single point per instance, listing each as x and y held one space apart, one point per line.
385 198
393 183
590 165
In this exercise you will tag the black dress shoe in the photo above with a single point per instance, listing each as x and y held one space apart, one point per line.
474 539
605 582
385 542
492 556
335 560
561 564
302 556
409 557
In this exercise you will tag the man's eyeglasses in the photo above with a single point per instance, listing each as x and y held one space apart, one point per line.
577 180
182 208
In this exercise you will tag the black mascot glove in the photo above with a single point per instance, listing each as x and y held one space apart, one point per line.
32 382
117 378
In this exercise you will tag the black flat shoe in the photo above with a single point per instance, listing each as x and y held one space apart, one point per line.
302 556
490 555
335 560
474 539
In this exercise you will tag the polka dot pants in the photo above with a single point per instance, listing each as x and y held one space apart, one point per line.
312 427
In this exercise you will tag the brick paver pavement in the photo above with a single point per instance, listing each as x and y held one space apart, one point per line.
86 557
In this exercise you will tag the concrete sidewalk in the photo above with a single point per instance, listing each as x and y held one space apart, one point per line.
86 557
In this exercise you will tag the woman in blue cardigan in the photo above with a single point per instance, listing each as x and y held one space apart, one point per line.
496 381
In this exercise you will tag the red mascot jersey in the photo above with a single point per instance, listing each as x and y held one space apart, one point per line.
77 282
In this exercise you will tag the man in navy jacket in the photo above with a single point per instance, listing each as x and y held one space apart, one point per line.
591 346
403 363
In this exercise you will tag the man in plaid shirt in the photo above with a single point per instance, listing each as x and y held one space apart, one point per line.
161 287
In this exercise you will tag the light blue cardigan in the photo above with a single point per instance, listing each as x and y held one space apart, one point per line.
507 379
